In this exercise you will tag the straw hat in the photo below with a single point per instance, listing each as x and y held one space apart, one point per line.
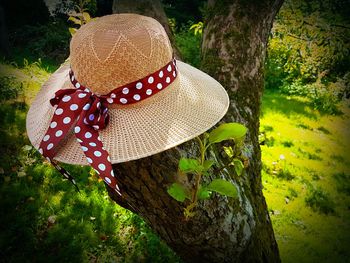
109 58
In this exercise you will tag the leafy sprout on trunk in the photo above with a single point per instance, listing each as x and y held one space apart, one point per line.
200 167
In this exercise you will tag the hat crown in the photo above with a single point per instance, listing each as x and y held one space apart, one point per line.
114 50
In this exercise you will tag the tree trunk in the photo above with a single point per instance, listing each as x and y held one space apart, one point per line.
223 229
151 8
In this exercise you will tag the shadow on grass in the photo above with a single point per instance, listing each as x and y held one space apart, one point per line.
287 105
43 218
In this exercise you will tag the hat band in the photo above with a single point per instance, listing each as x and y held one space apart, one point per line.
88 113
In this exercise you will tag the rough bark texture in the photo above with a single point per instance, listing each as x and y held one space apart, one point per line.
223 229
152 8
234 50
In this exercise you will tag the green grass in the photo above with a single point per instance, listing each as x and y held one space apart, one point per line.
306 176
43 218
306 179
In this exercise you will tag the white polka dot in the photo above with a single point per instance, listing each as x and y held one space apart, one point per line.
88 135
167 80
137 97
82 95
113 96
92 144
91 117
139 85
73 107
107 179
98 105
112 173
102 167
79 140
149 92
150 80
96 127
161 74
59 111
72 78
108 159
77 85
109 100
98 138
117 187
53 124
159 86
86 107
66 120
169 68
58 133
86 90
89 160
85 149
97 153
46 138
66 98
50 146
77 129
174 74
40 151
123 100
125 91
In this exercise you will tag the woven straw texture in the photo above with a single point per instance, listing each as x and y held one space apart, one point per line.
192 104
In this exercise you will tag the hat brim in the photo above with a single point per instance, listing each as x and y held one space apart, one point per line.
192 104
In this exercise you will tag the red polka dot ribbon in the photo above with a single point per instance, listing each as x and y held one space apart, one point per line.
88 113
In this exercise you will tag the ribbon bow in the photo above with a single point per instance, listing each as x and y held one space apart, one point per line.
88 113
91 113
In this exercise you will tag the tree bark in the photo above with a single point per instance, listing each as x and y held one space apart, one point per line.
223 229
151 8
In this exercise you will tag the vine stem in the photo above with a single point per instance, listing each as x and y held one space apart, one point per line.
199 175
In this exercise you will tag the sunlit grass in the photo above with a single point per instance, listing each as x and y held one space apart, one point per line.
306 178
43 218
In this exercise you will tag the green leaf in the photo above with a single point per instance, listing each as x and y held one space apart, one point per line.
239 166
27 148
227 131
74 20
188 165
207 164
86 16
177 191
203 193
72 30
223 187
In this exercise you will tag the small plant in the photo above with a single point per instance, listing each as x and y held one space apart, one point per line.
80 17
200 167
189 46
197 28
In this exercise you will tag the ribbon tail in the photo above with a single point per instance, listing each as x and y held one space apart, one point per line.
96 154
66 113
66 174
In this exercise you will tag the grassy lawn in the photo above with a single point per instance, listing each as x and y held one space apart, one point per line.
306 178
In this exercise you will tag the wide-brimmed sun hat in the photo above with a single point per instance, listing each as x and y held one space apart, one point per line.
121 96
